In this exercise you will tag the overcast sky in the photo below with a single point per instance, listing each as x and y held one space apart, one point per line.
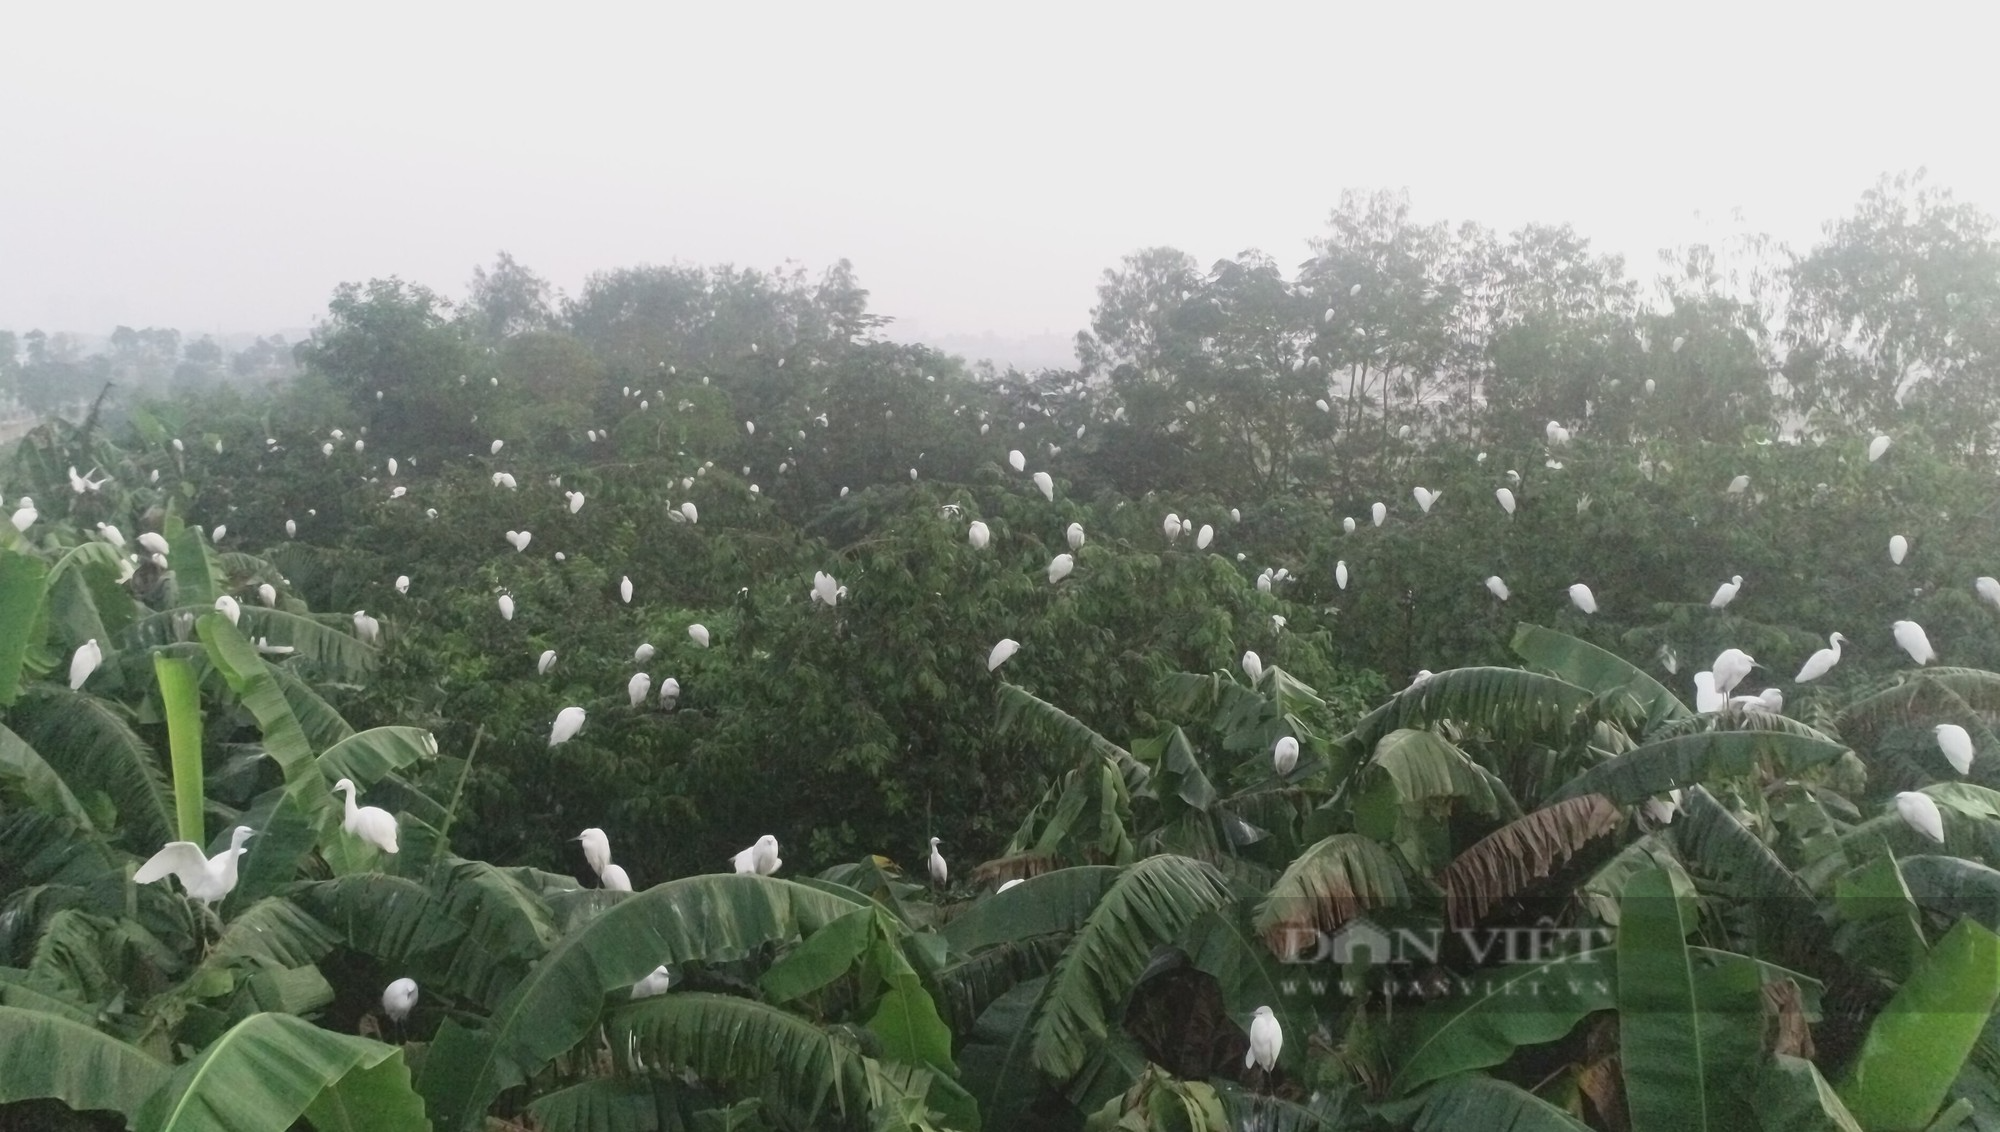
220 169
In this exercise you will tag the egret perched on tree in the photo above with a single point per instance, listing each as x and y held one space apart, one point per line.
1425 497
939 872
1726 592
545 662
1730 667
825 590
372 824
670 693
268 594
520 539
698 633
1340 573
291 528
615 879
1060 567
206 879
761 858
978 535
1987 588
1204 536
1267 1040
1506 498
504 479
1956 745
1379 512
1581 597
653 984
575 502
227 606
569 721
596 849
1017 461
402 583
506 607
1679 341
1911 639
1706 698
26 516
1074 535
638 687
1498 588
1172 526
1821 662
1899 548
625 590
693 515
153 543
398 999
1739 485
1347 526
366 627
643 653
1047 486
1001 653
83 662
1920 813
1285 755
1876 447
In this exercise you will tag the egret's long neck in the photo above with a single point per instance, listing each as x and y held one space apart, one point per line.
349 791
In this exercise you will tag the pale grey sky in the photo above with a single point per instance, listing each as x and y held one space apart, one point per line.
221 167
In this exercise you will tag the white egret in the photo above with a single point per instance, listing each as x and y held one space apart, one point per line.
366 627
1285 755
495 447
1322 406
1347 526
504 479
207 879
1498 588
398 492
1987 588
761 858
1060 567
698 634
1679 341
1581 597
392 465
1425 497
1899 548
268 594
545 662
1074 535
398 999
521 540
1235 515
688 510
569 721
1506 498
978 534
1920 813
220 532
654 984
402 583
372 824
1340 573
1650 385
291 528
575 502
178 446
1726 592
638 688
643 653
937 866
228 607
1046 485
26 516
1379 512
1253 666
1171 526
1706 698
615 879
1739 485
1204 536
1821 662
670 693
153 543
625 589
1017 461
1264 582
1730 667
1876 447
1911 639
1956 744
1002 653
326 449
506 607
83 662
1267 1040
825 590
1662 810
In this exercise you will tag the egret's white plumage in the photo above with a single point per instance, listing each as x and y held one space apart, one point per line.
825 590
268 594
1730 667
402 583
372 824
653 984
291 528
569 721
1739 485
596 849
1425 497
1172 526
643 653
1347 526
1060 567
1074 535
545 662
1204 536
698 633
1899 548
1706 698
1987 588
1017 461
1956 743
625 590
1921 813
978 535
26 516
761 858
1267 1040
153 543
398 999
228 607
1340 573
206 879
366 627
693 514
1046 485
1285 755
1253 666
1506 498
1876 447
506 607
615 879
638 688
1581 597
1379 512
1910 637
83 662
939 873
1498 588
1821 662
670 693
1726 592
1001 653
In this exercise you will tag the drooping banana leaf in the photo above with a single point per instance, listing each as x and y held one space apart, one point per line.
271 1069
1917 1045
52 1056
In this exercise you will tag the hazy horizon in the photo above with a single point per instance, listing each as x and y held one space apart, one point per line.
222 173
